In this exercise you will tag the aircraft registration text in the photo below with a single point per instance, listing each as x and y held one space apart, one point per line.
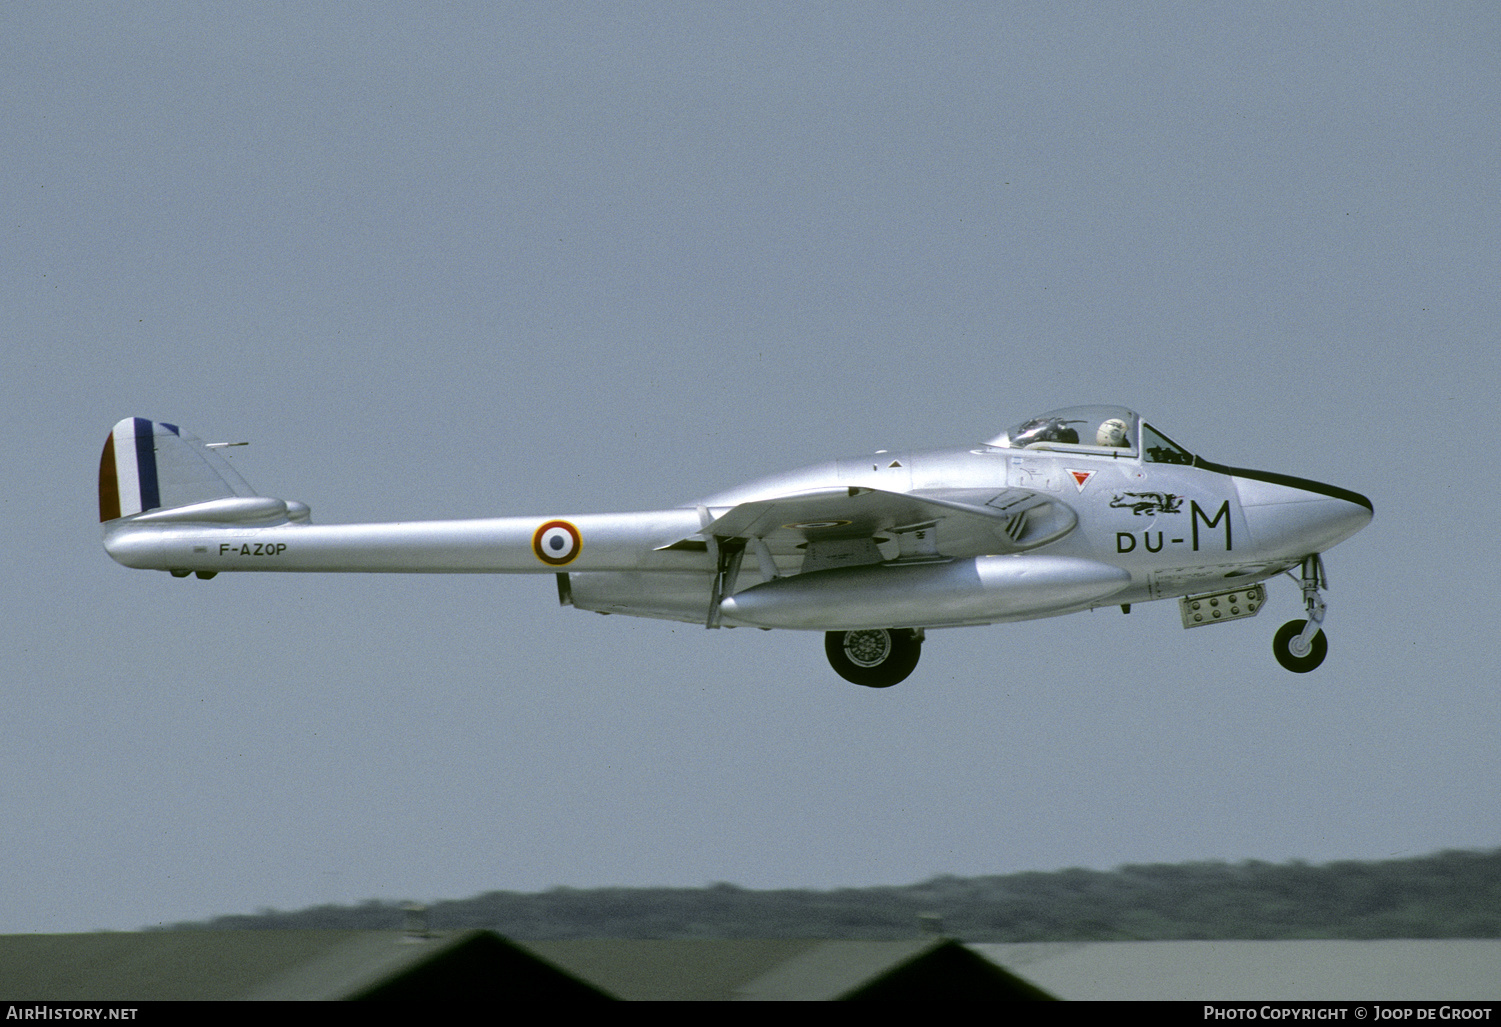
252 549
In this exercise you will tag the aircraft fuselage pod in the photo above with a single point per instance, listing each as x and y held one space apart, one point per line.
1076 509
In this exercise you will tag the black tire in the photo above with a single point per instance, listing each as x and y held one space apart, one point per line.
875 658
1282 646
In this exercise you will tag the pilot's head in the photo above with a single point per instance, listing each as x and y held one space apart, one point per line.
1111 433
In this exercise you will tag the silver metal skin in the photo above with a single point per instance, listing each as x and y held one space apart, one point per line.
1076 509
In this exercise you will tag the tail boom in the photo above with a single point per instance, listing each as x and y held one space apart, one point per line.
171 502
504 545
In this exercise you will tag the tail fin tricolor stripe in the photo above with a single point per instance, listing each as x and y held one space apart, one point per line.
147 465
127 470
109 482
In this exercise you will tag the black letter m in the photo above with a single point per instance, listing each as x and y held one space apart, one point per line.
1224 512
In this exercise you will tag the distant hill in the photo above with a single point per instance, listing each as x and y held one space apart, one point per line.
1449 895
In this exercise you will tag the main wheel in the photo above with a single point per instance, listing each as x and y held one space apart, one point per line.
1299 663
875 658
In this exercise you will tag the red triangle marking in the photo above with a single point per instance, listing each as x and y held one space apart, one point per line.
1080 477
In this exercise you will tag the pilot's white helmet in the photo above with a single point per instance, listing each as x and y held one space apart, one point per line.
1111 433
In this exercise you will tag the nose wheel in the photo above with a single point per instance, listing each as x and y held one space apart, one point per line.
1300 645
1296 655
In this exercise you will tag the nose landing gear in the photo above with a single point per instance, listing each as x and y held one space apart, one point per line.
1300 645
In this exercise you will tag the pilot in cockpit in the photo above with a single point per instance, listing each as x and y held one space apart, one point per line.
1112 433
1088 427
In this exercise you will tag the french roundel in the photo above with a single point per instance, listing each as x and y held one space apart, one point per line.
556 543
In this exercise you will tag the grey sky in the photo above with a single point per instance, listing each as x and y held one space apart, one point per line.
545 259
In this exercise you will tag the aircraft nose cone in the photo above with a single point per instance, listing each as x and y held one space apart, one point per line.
1294 516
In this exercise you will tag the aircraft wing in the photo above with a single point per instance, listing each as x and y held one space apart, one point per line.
928 522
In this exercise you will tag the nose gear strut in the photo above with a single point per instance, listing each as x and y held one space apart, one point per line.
1300 645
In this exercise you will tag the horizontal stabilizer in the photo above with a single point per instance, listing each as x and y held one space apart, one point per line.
238 510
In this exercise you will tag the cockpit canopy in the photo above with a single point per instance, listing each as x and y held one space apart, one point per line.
1103 430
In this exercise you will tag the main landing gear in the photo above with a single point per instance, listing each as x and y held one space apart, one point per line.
875 658
1300 645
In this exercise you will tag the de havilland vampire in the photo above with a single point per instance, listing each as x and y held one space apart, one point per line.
1076 509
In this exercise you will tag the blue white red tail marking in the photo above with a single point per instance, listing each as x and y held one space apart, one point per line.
127 469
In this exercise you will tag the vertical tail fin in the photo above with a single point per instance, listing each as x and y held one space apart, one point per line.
149 465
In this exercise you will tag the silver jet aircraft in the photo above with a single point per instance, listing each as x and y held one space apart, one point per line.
1076 509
